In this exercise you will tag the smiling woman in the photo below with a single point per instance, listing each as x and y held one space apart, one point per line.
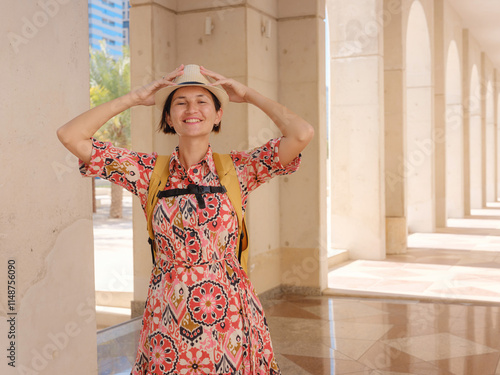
205 97
202 314
192 106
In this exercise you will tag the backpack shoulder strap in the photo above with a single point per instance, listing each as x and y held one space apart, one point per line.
229 179
157 183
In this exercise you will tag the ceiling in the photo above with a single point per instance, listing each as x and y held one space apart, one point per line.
482 18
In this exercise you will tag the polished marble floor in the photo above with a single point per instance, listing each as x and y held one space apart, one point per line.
433 310
459 263
334 335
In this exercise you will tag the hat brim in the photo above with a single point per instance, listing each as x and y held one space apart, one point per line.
162 95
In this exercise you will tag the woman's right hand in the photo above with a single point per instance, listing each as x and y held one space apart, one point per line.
76 134
145 95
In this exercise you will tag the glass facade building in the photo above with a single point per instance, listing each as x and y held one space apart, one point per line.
108 21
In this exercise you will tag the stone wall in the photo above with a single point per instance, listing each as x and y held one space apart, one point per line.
45 216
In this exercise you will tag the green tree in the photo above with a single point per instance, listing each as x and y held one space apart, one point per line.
110 79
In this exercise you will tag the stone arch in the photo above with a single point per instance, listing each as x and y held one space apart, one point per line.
419 143
454 135
475 140
497 155
490 143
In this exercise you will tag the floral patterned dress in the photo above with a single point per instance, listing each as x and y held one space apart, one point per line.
202 314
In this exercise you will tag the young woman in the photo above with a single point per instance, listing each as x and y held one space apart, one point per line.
202 314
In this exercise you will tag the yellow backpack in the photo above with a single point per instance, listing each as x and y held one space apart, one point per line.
228 179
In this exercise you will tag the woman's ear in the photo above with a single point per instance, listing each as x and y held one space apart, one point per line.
218 117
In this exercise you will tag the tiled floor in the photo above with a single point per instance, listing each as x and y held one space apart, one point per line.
321 335
332 335
458 263
440 315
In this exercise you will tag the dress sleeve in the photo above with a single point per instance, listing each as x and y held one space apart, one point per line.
129 169
259 165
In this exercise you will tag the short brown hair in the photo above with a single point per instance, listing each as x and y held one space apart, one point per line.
165 128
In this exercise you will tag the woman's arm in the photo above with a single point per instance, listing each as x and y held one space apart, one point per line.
76 134
297 132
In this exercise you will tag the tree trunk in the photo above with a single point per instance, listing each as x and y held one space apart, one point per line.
115 209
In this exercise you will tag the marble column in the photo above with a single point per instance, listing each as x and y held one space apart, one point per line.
256 43
466 74
489 131
152 54
440 109
46 245
395 123
301 72
454 136
422 137
357 127
496 101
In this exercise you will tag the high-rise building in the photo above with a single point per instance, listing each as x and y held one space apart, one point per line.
126 21
106 23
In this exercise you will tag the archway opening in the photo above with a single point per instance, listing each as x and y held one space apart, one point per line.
419 144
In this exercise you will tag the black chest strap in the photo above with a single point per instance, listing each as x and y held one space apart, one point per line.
197 190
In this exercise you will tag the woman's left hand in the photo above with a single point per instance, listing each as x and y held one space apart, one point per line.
236 91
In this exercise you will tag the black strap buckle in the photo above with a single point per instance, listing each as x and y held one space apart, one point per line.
194 189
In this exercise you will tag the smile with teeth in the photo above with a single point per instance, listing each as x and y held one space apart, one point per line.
192 120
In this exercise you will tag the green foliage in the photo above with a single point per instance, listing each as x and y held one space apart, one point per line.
110 79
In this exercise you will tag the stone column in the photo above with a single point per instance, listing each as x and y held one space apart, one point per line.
473 134
357 131
474 114
242 43
453 46
301 68
152 54
420 132
496 104
476 161
46 207
439 115
490 148
489 131
466 120
395 122
484 139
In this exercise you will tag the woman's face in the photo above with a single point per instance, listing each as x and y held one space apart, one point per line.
192 112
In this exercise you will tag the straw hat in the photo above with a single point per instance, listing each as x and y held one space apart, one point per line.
191 77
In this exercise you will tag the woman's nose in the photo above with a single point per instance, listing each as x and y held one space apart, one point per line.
191 108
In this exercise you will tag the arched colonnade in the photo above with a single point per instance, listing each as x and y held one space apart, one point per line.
411 138
414 130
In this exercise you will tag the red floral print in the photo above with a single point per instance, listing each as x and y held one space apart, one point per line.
202 314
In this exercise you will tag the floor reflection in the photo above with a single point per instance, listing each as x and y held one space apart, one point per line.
330 335
459 263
